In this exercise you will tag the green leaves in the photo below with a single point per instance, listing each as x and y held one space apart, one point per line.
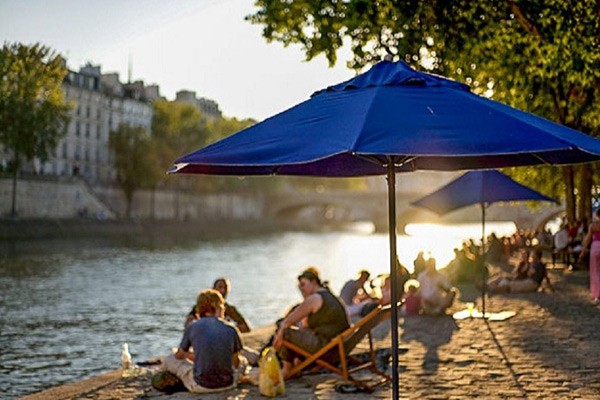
131 148
539 56
33 111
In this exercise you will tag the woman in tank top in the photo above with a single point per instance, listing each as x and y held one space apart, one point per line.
322 317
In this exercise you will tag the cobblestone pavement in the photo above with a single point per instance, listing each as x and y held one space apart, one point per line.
549 350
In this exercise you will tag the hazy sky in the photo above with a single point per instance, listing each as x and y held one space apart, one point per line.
200 45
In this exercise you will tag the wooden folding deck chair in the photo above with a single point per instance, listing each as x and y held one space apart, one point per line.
345 342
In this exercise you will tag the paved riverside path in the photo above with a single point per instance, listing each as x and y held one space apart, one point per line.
549 350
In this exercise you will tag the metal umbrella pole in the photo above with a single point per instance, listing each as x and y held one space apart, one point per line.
483 283
391 178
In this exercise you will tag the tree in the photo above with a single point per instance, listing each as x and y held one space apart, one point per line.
218 129
131 149
177 128
34 115
540 56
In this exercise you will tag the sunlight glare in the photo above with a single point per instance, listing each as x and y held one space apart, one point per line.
439 241
371 252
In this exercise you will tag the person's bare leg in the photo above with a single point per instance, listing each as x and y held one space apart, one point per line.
286 369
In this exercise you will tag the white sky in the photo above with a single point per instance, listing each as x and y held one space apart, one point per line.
200 45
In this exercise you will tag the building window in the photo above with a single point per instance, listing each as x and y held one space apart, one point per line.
77 129
87 130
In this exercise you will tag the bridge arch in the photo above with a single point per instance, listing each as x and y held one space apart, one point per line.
543 219
316 210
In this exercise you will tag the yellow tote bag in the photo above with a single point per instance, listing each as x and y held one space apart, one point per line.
270 378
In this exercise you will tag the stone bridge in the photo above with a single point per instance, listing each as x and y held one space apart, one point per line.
339 206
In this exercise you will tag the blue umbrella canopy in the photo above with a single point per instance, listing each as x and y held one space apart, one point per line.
478 187
391 119
420 121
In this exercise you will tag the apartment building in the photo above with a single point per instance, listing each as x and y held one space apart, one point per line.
100 104
208 107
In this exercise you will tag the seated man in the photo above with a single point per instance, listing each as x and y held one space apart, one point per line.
215 363
222 285
535 275
354 295
437 294
385 299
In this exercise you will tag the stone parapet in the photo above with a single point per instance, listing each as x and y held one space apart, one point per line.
44 197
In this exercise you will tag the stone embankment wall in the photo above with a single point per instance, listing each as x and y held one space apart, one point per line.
72 198
50 198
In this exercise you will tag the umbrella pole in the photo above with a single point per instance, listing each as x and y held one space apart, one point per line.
483 283
391 178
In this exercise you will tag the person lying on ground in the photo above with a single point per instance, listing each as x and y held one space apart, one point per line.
435 289
215 364
536 274
222 285
325 318
519 272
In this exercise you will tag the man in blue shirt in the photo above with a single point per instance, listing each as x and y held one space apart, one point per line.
215 362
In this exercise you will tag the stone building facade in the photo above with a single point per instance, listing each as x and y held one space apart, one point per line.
100 104
208 107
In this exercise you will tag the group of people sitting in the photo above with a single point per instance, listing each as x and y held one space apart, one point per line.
431 293
212 357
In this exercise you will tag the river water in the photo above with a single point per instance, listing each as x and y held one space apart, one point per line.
66 306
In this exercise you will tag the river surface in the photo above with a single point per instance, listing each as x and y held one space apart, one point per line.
67 306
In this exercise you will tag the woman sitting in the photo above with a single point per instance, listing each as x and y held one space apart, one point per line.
323 317
435 289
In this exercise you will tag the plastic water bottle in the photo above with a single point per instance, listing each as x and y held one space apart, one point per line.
126 362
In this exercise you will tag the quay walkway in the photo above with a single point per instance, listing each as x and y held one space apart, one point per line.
549 350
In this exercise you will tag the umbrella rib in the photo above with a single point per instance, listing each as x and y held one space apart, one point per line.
376 160
404 161
539 157
371 159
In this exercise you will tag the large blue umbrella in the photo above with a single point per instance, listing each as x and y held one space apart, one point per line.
387 120
482 187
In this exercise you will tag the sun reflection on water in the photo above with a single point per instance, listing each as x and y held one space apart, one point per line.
371 252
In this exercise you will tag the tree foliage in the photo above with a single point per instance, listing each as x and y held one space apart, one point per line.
219 129
34 115
178 128
33 111
131 150
540 56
